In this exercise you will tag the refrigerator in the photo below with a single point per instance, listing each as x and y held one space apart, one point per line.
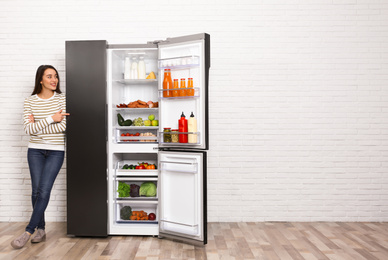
103 91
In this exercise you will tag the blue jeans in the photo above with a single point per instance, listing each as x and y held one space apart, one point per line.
44 168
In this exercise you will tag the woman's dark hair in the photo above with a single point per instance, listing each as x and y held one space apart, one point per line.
39 76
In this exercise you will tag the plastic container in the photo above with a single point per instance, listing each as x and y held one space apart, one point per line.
141 70
192 127
127 68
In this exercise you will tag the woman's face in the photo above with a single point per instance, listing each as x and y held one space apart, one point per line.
49 80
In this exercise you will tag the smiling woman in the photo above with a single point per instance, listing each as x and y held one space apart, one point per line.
45 122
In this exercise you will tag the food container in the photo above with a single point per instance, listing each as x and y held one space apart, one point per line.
167 135
174 136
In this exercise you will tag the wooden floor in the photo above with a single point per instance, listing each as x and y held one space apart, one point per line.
263 240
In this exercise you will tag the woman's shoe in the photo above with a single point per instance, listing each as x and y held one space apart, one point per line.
39 237
20 241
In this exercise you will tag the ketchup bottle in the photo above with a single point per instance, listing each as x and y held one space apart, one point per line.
182 123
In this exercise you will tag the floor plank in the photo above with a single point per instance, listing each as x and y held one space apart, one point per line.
235 241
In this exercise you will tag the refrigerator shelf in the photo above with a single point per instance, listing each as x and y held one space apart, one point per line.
138 81
179 62
137 221
136 173
138 127
127 109
130 199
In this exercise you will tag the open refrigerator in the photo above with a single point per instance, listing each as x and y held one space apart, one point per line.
179 205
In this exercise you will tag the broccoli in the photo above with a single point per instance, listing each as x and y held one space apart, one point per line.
125 213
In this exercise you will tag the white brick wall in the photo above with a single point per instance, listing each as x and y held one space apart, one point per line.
298 99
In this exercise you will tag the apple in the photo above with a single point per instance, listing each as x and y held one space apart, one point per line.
151 216
155 122
151 117
147 122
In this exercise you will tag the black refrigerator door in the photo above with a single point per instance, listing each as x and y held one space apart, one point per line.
86 138
186 57
182 192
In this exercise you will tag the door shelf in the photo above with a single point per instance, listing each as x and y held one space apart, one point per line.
161 93
151 82
137 127
183 62
161 138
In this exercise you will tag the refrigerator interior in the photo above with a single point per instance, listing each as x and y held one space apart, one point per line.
185 61
119 224
125 91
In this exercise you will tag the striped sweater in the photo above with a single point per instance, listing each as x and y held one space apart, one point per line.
44 132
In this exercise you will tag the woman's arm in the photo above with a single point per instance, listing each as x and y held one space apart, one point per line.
30 126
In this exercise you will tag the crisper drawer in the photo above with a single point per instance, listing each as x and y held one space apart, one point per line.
135 134
133 212
140 188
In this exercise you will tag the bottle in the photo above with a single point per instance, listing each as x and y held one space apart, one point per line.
127 68
190 86
182 92
192 127
141 70
175 92
182 126
167 83
134 68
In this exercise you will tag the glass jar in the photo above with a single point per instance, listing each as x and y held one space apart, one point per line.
174 136
167 135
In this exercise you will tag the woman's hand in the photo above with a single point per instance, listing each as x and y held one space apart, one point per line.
59 116
31 118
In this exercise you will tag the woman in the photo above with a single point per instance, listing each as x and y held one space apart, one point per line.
45 121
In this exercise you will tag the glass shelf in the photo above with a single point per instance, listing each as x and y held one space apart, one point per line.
138 81
128 109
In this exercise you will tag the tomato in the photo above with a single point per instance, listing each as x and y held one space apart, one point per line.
137 134
122 134
127 134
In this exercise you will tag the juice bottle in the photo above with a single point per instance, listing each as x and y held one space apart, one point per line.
175 92
182 125
192 127
190 86
167 83
182 92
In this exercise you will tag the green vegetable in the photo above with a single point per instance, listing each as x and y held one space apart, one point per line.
123 189
125 212
147 189
127 122
126 166
120 119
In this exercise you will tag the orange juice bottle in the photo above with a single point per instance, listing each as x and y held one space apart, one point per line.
175 92
167 83
182 92
190 86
